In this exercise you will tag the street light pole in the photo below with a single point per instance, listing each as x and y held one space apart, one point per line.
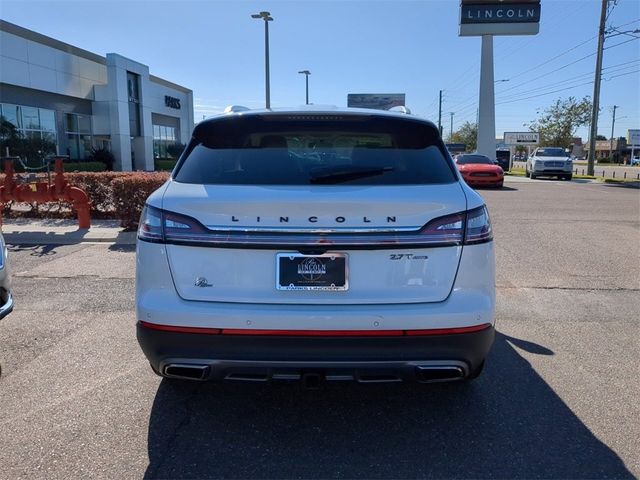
306 73
266 16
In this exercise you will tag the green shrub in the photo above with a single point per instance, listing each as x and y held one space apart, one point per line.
165 165
103 156
604 160
175 149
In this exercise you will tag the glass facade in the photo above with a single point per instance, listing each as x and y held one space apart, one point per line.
133 90
32 122
77 128
163 137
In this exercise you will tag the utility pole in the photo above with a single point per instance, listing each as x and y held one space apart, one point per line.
613 123
596 91
440 114
451 129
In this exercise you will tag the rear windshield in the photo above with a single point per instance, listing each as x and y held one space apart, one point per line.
314 150
463 159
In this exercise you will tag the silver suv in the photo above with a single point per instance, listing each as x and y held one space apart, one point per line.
549 162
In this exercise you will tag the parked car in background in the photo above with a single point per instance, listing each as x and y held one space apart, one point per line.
635 161
549 162
319 244
6 300
502 158
479 170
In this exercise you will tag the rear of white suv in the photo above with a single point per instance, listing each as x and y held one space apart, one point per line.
315 245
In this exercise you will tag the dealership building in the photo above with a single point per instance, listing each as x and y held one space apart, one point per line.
80 100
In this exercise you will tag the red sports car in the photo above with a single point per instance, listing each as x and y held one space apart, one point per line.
479 170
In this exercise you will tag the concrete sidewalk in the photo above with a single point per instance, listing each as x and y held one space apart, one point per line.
29 231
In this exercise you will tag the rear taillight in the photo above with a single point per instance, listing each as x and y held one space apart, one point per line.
150 226
159 226
478 229
467 228
449 229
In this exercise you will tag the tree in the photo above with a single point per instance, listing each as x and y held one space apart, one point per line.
559 122
467 134
600 137
32 148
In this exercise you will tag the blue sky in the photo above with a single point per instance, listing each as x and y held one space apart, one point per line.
412 47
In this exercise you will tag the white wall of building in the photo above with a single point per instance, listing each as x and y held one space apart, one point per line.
29 64
32 61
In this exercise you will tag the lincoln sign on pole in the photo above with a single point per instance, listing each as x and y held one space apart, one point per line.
521 138
487 18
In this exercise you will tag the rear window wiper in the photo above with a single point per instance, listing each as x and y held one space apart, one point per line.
345 174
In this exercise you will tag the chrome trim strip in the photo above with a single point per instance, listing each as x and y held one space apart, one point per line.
224 228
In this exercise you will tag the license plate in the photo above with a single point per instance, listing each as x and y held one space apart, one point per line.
295 271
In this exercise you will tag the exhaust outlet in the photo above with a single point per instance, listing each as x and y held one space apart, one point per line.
445 373
186 371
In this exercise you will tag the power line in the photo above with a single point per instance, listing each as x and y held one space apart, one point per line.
611 69
564 66
621 75
628 23
553 58
543 94
567 88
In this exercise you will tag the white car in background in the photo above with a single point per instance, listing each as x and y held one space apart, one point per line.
6 300
549 162
315 245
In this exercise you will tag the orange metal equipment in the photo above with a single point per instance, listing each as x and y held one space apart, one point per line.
45 191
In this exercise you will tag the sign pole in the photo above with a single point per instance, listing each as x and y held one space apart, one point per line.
487 113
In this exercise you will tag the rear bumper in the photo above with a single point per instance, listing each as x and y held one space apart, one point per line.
274 357
484 180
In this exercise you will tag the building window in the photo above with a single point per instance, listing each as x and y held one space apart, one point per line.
164 139
133 89
78 131
32 123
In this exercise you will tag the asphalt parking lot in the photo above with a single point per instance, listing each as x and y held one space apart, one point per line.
558 398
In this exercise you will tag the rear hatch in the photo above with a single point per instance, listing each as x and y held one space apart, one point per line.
314 210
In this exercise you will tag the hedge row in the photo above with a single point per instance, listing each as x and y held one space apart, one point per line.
113 195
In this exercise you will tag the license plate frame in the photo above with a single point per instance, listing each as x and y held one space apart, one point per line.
302 272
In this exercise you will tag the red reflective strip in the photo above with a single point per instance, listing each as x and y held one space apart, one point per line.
173 328
448 331
315 333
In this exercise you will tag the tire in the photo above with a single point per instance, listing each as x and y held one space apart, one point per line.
569 177
499 185
526 172
476 373
532 176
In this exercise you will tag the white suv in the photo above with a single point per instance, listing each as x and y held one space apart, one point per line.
315 245
549 162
